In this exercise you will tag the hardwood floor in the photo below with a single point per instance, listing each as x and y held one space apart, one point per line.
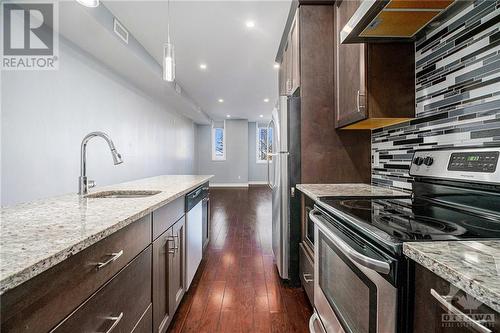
237 287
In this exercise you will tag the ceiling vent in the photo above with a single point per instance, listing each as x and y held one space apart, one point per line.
120 30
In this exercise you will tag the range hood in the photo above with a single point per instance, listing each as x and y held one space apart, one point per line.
395 20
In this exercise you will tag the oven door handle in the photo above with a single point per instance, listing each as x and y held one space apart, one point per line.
312 327
382 267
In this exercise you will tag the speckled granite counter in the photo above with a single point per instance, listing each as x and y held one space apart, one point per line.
38 235
473 266
315 191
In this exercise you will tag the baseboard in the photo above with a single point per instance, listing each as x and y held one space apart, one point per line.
228 184
257 183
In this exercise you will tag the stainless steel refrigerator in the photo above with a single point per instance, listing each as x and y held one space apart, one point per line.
283 175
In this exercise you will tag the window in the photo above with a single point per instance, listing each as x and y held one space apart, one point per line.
264 143
219 141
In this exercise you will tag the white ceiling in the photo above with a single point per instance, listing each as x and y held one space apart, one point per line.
239 60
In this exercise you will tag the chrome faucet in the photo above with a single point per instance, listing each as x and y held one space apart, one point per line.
83 183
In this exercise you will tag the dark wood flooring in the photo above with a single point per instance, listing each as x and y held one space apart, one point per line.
237 287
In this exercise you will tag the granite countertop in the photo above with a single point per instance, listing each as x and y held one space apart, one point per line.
40 234
315 191
473 266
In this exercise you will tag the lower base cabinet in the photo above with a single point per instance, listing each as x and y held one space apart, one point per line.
168 274
119 305
440 307
131 281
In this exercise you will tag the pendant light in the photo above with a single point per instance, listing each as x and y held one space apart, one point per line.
89 3
168 53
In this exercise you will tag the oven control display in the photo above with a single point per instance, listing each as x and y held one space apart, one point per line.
474 161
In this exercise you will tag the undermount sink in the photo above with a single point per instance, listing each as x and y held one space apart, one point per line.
121 194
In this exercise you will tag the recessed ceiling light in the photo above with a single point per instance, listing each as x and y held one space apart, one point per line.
220 100
228 116
250 24
266 100
89 3
276 66
262 116
203 66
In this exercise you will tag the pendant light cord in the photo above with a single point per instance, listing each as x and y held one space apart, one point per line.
168 22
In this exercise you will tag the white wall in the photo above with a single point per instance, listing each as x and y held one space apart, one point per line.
44 116
234 170
257 172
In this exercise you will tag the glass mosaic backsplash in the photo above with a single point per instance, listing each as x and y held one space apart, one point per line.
457 94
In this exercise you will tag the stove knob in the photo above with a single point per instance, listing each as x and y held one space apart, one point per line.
428 161
418 160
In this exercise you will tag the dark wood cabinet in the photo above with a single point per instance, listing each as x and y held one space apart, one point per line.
440 307
162 248
168 274
350 71
119 305
176 279
289 73
374 83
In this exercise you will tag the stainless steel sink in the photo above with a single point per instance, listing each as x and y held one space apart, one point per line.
121 194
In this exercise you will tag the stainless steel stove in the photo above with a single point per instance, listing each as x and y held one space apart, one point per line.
361 282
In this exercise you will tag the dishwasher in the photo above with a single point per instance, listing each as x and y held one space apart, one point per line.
195 230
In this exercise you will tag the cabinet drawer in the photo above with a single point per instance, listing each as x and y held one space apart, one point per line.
306 272
118 305
166 216
440 307
42 302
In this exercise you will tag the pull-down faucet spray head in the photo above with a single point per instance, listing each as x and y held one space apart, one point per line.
83 183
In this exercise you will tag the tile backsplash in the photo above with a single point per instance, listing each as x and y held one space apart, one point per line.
457 85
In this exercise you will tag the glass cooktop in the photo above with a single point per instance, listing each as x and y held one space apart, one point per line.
417 219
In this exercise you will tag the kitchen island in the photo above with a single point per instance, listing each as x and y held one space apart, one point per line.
59 252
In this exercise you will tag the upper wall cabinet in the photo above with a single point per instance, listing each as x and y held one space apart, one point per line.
289 75
374 83
387 20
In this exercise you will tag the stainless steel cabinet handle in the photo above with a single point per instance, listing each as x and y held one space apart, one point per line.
307 278
377 265
115 320
312 327
446 302
176 243
358 103
167 242
114 256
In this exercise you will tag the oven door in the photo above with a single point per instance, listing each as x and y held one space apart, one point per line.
351 293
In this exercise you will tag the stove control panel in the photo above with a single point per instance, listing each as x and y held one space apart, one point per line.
474 161
466 164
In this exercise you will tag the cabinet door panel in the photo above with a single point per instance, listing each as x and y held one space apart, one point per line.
161 309
176 265
350 83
